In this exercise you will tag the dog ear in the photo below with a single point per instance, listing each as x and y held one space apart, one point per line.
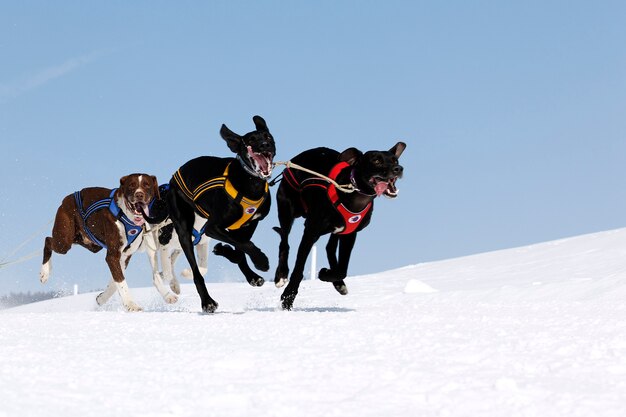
123 180
232 139
260 124
398 149
155 187
350 155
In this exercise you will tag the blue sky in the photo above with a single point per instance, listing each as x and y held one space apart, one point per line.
513 113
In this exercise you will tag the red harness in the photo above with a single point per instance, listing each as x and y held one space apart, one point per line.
351 219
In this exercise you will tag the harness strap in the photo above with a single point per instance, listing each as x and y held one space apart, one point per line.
351 219
249 207
197 235
131 229
86 213
347 188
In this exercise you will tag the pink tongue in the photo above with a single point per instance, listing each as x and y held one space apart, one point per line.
260 160
138 218
262 163
380 188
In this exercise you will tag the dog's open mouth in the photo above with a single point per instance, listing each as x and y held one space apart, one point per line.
386 187
138 209
262 162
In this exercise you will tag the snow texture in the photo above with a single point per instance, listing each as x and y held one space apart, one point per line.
532 331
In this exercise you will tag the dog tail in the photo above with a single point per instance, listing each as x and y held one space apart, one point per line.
160 208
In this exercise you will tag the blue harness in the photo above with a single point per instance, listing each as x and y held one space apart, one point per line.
197 235
132 230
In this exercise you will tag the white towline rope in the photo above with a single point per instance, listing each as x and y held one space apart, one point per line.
347 188
24 258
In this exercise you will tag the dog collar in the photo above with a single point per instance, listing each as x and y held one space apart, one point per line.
355 186
248 168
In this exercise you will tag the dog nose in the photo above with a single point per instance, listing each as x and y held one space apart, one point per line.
397 170
265 146
139 195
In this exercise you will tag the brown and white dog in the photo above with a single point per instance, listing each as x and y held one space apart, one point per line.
97 218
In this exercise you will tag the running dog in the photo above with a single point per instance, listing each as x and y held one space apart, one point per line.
230 196
98 218
329 207
161 244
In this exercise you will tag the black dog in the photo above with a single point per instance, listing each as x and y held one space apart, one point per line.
231 195
328 209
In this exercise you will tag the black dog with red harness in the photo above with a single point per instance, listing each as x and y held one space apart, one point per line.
335 193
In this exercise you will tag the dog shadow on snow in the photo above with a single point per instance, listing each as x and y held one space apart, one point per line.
304 309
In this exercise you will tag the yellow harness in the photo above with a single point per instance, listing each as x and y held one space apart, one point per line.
249 207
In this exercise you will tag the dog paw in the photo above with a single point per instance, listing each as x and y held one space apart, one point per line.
280 282
210 306
100 299
260 261
219 249
256 281
287 300
341 288
170 298
175 286
287 303
131 306
328 275
44 273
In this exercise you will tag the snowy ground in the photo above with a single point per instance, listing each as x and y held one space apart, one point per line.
532 331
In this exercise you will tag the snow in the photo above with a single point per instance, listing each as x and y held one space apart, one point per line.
532 331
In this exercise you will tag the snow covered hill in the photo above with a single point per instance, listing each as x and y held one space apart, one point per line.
532 331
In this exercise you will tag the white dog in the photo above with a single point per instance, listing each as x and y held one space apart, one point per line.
161 241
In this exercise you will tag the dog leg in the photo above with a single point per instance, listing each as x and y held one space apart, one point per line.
341 288
105 295
207 303
258 258
338 269
182 216
282 270
44 272
285 218
329 274
168 260
60 242
238 257
173 281
237 240
171 275
202 254
151 250
157 280
117 263
124 292
291 290
157 277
